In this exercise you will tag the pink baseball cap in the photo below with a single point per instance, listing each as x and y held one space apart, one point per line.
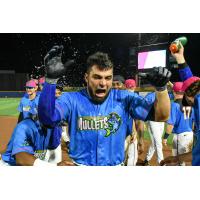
178 87
130 83
41 80
36 81
189 81
31 83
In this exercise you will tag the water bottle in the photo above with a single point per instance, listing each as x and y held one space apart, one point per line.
175 45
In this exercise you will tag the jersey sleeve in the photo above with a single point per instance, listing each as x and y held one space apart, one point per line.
185 73
50 110
140 108
173 114
22 141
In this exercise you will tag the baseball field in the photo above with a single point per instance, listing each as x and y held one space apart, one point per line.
8 120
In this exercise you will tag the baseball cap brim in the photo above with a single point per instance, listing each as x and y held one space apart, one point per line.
187 83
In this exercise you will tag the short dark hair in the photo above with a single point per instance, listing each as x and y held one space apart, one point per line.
100 59
119 78
193 89
59 87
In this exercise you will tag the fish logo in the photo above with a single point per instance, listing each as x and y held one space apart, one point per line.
114 122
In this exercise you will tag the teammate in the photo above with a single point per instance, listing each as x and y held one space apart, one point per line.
28 145
97 115
180 124
118 82
131 141
29 101
191 87
156 130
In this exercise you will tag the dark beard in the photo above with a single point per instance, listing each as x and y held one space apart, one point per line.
96 99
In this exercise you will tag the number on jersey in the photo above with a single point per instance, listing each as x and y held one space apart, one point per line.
187 111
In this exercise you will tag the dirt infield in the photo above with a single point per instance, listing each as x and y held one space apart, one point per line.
7 125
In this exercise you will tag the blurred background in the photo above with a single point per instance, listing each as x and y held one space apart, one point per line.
21 55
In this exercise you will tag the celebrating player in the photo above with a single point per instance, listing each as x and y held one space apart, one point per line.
29 101
131 149
29 144
180 124
97 115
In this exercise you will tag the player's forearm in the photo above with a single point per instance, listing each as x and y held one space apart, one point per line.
162 106
25 159
47 112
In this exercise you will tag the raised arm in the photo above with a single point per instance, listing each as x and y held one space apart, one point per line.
159 77
183 68
49 113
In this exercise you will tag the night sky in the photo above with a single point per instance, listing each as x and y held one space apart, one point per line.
21 52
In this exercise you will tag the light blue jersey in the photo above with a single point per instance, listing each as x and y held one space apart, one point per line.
29 137
26 105
97 131
180 117
184 74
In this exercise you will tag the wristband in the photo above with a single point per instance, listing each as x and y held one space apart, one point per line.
185 73
41 163
166 135
182 65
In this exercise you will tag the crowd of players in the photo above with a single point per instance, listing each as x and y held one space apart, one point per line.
104 126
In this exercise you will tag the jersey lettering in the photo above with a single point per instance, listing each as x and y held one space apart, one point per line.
187 111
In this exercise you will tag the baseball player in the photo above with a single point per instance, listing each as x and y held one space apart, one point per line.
131 141
118 82
29 101
97 116
191 88
180 124
29 144
156 130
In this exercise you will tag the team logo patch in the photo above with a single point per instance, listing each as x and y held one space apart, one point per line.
26 108
114 122
110 123
40 154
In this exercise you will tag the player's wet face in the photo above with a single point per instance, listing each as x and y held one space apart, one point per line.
99 83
